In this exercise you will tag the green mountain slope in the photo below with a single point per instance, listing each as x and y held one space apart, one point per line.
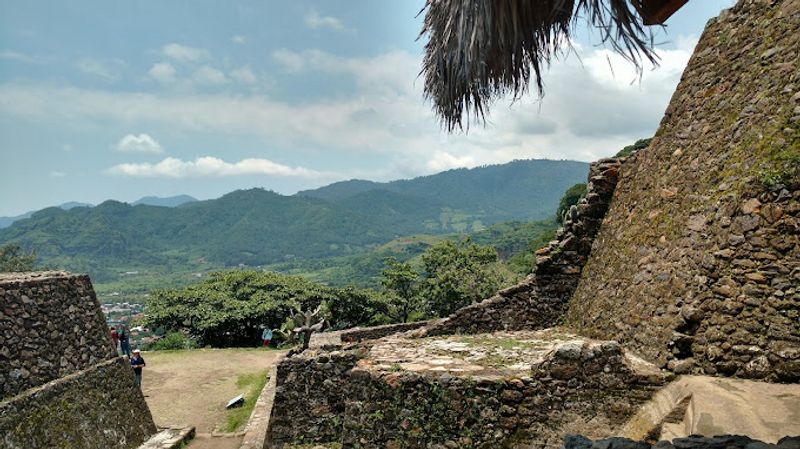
257 227
518 190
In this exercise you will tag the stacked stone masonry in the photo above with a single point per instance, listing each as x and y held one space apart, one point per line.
50 325
357 334
697 265
62 384
540 301
692 442
351 398
92 409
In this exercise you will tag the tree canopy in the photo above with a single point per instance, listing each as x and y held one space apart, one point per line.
14 258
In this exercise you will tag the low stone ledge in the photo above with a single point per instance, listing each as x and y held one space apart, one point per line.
691 442
255 433
358 334
486 390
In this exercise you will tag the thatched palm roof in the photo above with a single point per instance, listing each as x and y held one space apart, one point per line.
479 50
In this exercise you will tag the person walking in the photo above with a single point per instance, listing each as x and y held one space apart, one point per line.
266 336
124 340
114 338
137 363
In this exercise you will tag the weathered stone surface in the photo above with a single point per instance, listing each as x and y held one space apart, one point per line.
692 442
357 334
51 325
96 408
725 241
486 390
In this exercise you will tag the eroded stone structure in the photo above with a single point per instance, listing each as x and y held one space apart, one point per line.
63 385
507 389
51 325
697 265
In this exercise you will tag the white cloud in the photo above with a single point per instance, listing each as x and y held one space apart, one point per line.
162 72
16 56
239 39
244 75
396 69
183 53
209 75
96 68
385 113
57 174
141 143
316 21
209 166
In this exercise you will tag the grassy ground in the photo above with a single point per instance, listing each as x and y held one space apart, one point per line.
193 386
252 384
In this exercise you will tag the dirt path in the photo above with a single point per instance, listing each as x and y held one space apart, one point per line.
192 387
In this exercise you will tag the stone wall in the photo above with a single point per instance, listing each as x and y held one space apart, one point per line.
540 301
357 334
50 325
62 384
697 265
310 393
692 442
96 408
340 397
585 388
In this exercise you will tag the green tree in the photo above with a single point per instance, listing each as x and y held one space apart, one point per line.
570 198
399 282
636 146
232 307
14 258
458 274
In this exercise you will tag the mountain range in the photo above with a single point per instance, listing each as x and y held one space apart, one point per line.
258 227
170 201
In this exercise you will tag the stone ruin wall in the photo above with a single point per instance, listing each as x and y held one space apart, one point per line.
540 301
62 383
357 334
691 442
697 265
587 388
50 325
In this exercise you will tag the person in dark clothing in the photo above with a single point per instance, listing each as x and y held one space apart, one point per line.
137 362
124 340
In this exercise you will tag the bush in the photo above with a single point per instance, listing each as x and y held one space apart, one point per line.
173 340
570 198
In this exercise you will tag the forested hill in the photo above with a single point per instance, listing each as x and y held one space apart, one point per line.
519 190
257 227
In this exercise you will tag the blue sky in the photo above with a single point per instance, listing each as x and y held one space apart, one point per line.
120 100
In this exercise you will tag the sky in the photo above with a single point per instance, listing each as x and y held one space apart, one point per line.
119 100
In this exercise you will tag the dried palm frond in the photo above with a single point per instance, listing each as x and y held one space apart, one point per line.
479 50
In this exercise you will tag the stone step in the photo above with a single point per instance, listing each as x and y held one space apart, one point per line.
169 438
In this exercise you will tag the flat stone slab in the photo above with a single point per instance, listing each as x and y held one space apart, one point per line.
169 438
487 356
719 406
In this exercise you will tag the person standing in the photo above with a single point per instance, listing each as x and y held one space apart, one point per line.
266 336
114 338
124 340
137 363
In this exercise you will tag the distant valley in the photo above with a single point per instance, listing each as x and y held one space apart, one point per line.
114 241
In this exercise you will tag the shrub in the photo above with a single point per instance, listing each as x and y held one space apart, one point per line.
173 340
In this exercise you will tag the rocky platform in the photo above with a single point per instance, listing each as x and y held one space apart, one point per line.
518 389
